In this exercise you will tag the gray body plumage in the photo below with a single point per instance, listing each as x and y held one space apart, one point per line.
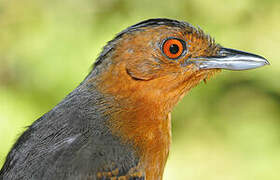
71 141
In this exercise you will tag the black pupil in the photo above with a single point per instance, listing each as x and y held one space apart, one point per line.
174 49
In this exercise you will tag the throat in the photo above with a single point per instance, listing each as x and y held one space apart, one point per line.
149 132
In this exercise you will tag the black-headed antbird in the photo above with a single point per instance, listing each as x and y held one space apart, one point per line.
116 123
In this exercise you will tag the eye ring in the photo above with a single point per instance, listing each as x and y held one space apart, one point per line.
173 48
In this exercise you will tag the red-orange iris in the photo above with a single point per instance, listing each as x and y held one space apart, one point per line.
173 48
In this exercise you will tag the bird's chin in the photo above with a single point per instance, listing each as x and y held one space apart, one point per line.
210 74
195 76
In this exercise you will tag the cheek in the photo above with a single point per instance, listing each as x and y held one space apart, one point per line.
143 69
187 68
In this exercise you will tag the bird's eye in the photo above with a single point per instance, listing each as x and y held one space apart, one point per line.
173 48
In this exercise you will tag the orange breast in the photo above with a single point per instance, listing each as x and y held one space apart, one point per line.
139 121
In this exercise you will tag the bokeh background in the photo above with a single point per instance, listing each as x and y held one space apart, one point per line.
227 129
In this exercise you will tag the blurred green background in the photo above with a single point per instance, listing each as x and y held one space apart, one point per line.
227 129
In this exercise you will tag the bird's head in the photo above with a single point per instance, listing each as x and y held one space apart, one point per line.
145 71
158 60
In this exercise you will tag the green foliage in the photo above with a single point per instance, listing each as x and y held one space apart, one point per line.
227 129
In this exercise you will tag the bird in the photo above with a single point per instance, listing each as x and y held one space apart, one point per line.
116 124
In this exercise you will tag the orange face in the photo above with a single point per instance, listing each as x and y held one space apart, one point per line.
154 62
